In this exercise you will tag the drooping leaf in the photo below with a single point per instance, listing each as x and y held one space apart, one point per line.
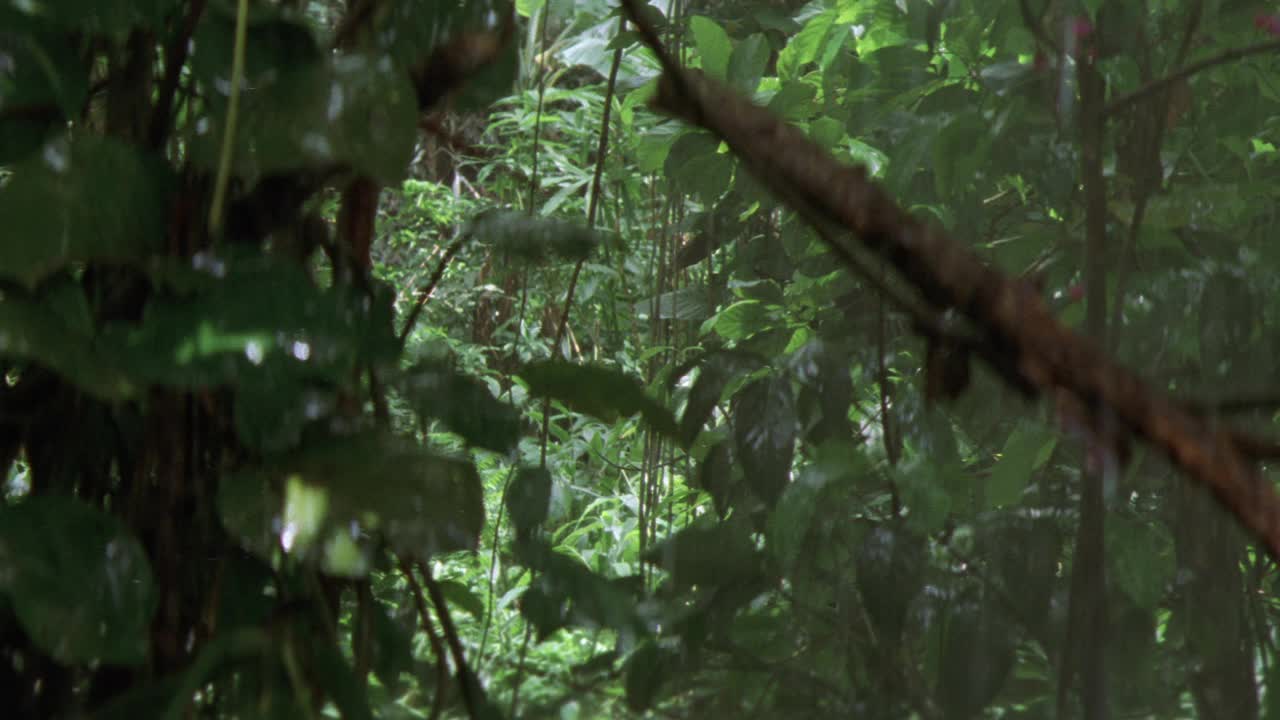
257 318
109 17
78 581
345 487
66 204
714 46
764 431
748 62
33 330
463 404
529 498
517 236
976 656
339 681
276 39
741 320
45 82
1142 559
1026 450
714 375
890 566
598 391
708 556
347 111
646 671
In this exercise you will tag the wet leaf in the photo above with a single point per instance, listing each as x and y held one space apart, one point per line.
764 430
646 671
529 498
517 236
890 566
463 404
66 204
707 555
601 392
351 486
79 582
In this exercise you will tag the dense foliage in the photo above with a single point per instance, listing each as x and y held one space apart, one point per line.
395 359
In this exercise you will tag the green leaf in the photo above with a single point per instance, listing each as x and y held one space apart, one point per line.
348 486
794 101
45 82
463 404
67 204
923 485
708 556
529 498
803 47
646 671
276 39
741 320
976 656
351 110
791 519
389 644
1142 559
714 375
696 166
764 432
257 320
748 62
598 391
33 330
714 46
1026 450
339 681
460 595
516 235
110 17
79 582
890 564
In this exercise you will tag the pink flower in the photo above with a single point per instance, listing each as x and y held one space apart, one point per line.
1081 27
1267 23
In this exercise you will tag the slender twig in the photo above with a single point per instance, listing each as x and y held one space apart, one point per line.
437 649
175 57
229 128
424 293
467 682
1221 58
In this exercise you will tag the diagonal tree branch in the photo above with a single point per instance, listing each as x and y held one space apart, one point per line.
1128 99
1009 313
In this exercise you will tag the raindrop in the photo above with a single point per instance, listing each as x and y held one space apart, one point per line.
253 350
301 350
289 536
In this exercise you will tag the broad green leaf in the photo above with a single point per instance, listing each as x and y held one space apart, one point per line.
976 657
1142 559
421 502
340 684
803 47
747 63
45 82
707 556
258 321
923 485
276 40
764 430
458 594
78 581
33 330
529 498
794 101
741 320
67 204
598 391
646 671
687 303
714 46
890 564
109 17
352 110
463 404
714 375
792 518
517 236
959 151
1026 449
